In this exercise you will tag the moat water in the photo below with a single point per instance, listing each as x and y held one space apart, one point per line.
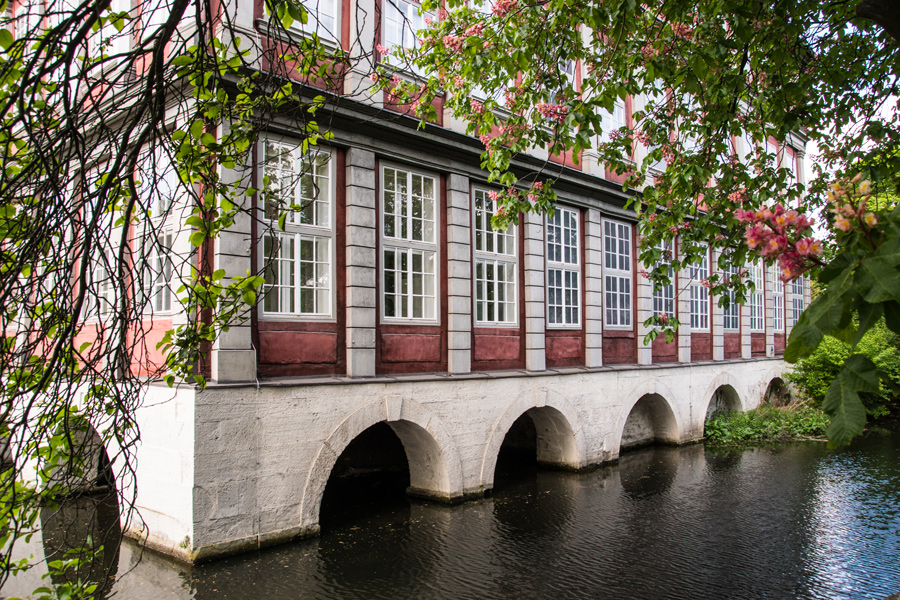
790 521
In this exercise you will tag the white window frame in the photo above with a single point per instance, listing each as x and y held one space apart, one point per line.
664 299
496 266
563 268
757 298
404 16
797 300
778 306
613 120
405 246
299 229
160 278
731 316
700 294
618 279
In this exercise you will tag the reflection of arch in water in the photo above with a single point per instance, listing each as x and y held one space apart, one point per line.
650 471
777 393
435 470
650 420
86 520
558 442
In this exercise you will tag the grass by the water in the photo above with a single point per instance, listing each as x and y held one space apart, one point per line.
767 424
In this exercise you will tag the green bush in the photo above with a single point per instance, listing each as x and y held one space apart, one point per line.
767 424
812 375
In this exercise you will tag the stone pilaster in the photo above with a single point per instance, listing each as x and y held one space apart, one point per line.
362 218
769 301
459 275
717 313
683 300
233 357
746 349
644 310
535 308
593 289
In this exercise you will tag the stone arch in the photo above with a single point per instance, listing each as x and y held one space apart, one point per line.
667 423
776 376
649 420
727 385
435 468
777 393
88 468
560 440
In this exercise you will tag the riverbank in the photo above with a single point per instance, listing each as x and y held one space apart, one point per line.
768 424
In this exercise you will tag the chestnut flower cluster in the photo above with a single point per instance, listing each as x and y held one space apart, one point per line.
779 234
850 206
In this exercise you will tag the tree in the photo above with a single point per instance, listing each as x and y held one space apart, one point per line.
725 83
116 122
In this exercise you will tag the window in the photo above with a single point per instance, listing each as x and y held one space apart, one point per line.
400 22
159 182
664 298
323 18
612 121
567 70
298 261
796 301
495 266
700 294
757 298
563 268
617 273
409 256
100 298
160 276
732 314
778 306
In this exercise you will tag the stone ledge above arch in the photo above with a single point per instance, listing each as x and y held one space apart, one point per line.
435 467
572 452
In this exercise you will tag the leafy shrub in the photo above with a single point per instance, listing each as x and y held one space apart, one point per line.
767 424
812 375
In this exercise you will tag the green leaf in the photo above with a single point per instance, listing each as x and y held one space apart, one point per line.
197 129
869 314
843 405
837 266
878 279
6 38
892 316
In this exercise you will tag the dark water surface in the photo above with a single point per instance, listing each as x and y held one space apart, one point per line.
794 521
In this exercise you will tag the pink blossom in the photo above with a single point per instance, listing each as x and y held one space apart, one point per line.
476 106
493 196
442 15
502 7
842 223
374 77
475 30
644 274
870 218
382 50
428 21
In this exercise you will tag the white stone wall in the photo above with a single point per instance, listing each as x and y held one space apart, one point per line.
263 456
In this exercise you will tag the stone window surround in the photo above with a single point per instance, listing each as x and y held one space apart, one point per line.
401 244
621 275
505 258
303 231
564 267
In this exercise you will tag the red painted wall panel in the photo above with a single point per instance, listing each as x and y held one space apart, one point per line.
411 348
493 346
619 347
292 347
757 344
779 343
732 345
701 346
564 348
663 352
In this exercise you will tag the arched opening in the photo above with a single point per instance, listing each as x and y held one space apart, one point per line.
650 421
369 479
777 393
83 521
540 437
724 400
